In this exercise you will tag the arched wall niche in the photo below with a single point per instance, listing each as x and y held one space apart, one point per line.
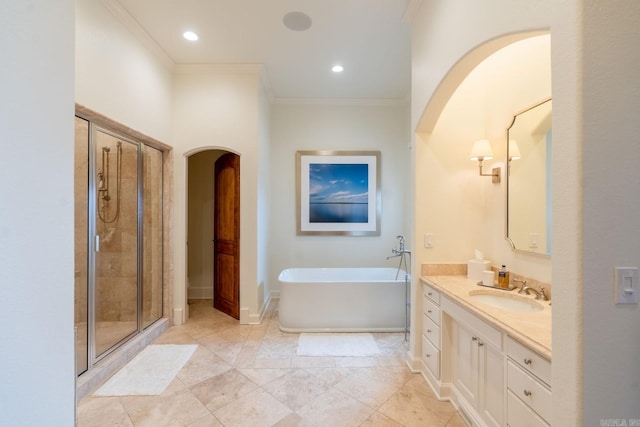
460 71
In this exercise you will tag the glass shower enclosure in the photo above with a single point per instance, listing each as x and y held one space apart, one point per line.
118 240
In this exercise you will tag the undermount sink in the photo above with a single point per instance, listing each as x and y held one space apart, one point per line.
505 301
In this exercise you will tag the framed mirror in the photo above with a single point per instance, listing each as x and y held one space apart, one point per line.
529 140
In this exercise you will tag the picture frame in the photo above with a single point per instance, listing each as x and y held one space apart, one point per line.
338 193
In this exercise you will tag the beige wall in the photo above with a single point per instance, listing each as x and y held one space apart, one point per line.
594 65
337 127
36 213
462 210
118 75
217 108
610 153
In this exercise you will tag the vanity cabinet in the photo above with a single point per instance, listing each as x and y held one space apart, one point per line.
477 358
529 387
431 320
477 368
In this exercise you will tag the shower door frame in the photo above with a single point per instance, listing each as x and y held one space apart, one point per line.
99 122
92 214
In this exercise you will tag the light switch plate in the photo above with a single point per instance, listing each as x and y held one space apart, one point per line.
626 285
428 240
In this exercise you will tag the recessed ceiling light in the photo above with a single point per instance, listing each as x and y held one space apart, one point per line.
337 68
190 35
297 21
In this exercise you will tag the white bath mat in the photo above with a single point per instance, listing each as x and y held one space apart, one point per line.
340 344
150 372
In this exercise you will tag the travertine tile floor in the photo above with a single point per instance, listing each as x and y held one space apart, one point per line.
249 375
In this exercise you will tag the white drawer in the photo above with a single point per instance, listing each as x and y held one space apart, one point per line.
431 293
520 415
529 360
431 357
528 389
431 331
432 310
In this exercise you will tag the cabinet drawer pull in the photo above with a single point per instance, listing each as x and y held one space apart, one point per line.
474 338
429 293
527 392
527 361
480 343
428 331
429 311
428 355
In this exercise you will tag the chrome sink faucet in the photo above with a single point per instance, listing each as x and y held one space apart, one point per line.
540 295
528 290
524 287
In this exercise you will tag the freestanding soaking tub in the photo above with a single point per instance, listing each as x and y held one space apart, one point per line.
342 300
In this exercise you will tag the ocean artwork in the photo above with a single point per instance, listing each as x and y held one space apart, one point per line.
338 193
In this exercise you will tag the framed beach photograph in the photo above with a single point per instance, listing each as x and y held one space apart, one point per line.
338 193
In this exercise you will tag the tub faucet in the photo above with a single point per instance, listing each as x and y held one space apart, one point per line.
401 250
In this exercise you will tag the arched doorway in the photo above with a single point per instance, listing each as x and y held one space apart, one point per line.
212 255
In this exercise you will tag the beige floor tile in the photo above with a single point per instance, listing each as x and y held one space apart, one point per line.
250 375
297 388
294 420
223 389
207 421
332 376
282 346
256 409
372 386
411 407
335 409
264 376
273 363
456 421
203 365
359 362
180 408
313 362
102 411
379 420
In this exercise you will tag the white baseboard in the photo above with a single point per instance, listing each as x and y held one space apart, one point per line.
178 316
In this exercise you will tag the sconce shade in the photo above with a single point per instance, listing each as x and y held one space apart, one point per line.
514 150
481 150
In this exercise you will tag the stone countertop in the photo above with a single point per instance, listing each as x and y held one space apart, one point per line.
532 329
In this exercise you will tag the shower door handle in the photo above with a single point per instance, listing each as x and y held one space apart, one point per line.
97 243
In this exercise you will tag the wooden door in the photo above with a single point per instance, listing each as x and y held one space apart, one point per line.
226 236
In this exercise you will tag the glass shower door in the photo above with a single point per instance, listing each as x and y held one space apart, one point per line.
152 236
116 244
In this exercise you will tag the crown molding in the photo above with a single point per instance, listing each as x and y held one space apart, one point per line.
349 102
256 69
134 28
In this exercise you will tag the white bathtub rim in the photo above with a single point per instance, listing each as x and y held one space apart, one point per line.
395 275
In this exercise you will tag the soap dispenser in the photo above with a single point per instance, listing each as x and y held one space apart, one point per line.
503 278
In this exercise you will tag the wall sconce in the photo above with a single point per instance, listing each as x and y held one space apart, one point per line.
482 150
